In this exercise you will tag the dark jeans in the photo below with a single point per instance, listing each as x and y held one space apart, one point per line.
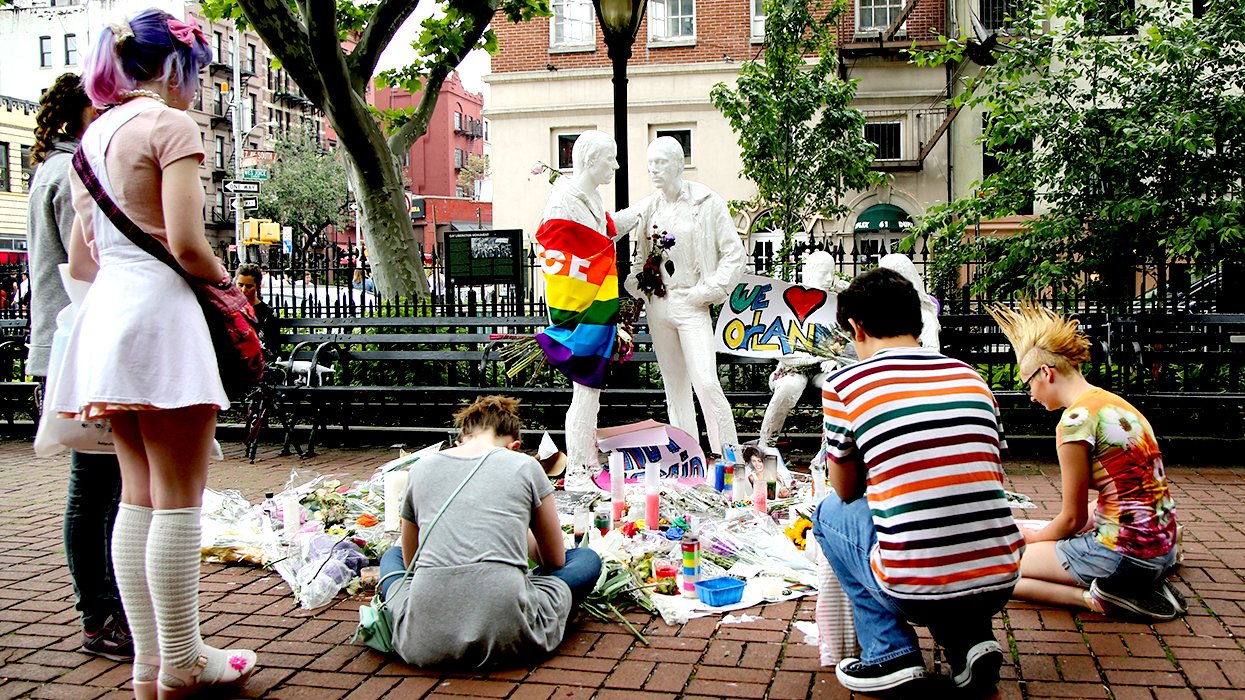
90 510
883 622
583 566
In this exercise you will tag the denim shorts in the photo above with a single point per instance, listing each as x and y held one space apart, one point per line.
1086 559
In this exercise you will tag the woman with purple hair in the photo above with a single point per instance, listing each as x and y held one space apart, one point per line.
140 353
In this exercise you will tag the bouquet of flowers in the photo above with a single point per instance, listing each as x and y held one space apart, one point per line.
649 278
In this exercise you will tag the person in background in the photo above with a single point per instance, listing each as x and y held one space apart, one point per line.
1118 559
140 352
932 542
501 516
249 278
362 282
94 488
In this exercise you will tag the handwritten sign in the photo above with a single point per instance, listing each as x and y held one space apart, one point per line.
639 444
770 318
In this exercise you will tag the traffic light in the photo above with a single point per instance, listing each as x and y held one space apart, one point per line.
269 232
250 232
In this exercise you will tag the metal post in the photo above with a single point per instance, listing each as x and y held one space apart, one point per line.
622 198
236 104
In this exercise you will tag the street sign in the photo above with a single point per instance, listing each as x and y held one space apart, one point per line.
247 202
254 174
259 156
241 186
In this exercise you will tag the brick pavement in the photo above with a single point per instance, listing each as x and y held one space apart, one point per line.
306 654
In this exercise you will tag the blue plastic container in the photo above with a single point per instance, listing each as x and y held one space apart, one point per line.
720 591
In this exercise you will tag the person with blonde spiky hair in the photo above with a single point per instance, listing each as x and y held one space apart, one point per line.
1117 561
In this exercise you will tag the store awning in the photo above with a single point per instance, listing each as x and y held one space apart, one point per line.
882 217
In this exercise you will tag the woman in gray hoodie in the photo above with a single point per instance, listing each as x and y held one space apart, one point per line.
94 479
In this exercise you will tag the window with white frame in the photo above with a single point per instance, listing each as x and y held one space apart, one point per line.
458 121
45 52
71 49
458 158
219 154
5 183
671 20
563 144
572 24
681 134
758 20
876 14
251 119
888 137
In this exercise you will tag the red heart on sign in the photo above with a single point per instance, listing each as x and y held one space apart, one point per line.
804 301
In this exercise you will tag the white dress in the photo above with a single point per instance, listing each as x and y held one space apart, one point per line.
140 338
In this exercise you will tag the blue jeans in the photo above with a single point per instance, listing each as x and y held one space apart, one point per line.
884 623
94 490
1086 559
582 569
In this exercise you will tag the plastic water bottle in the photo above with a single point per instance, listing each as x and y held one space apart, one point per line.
268 510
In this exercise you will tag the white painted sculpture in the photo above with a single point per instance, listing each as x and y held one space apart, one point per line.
575 199
699 263
793 374
930 326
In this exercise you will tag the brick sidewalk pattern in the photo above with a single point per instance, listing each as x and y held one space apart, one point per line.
307 654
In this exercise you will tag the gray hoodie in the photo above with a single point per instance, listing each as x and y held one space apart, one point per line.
49 224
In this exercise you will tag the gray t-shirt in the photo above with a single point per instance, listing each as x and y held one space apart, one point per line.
471 600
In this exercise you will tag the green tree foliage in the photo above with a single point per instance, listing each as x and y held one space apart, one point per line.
801 142
1137 155
307 189
331 49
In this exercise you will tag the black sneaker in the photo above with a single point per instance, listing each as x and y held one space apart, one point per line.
1152 603
871 678
1177 600
981 667
111 641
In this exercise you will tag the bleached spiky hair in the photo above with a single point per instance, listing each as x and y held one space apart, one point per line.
1042 337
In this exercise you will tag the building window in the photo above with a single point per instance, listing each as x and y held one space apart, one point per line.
758 20
458 121
250 113
486 123
45 52
218 103
220 152
406 159
998 14
876 14
71 49
573 24
28 168
458 158
683 136
671 19
564 144
250 58
887 137
4 167
218 43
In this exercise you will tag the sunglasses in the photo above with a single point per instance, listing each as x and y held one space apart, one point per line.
1025 385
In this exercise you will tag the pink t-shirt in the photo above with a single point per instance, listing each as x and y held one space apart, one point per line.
136 158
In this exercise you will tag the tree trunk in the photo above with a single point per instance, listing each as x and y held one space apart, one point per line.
385 223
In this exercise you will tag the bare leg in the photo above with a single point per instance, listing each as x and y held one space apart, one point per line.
1043 580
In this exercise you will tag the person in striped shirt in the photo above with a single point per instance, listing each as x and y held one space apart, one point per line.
933 541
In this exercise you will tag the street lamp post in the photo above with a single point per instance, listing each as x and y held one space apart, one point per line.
620 20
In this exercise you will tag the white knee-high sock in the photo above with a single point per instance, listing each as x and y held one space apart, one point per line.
129 563
173 576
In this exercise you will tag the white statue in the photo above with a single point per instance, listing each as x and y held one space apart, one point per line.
684 230
793 374
575 248
930 326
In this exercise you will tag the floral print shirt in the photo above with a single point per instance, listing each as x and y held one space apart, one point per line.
1135 514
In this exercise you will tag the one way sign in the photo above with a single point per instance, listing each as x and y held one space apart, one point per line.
241 186
246 202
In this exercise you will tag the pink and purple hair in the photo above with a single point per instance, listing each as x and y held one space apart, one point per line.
158 47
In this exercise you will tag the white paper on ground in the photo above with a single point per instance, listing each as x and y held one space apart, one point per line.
731 619
809 629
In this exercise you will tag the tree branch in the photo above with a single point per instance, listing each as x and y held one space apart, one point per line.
340 99
481 14
386 19
281 30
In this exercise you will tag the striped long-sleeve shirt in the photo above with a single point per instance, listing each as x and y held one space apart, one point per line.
925 429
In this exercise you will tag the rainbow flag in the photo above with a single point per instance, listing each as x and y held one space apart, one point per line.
581 289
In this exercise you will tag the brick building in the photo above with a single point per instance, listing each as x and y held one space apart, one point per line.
455 132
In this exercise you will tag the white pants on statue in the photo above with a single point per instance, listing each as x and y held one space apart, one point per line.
581 438
684 344
787 392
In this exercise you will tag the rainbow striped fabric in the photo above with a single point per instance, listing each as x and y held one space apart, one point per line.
581 289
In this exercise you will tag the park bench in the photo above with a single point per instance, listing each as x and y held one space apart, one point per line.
17 395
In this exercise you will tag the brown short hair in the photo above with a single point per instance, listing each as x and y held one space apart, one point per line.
497 413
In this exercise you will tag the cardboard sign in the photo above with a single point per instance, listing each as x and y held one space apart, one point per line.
639 444
770 318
